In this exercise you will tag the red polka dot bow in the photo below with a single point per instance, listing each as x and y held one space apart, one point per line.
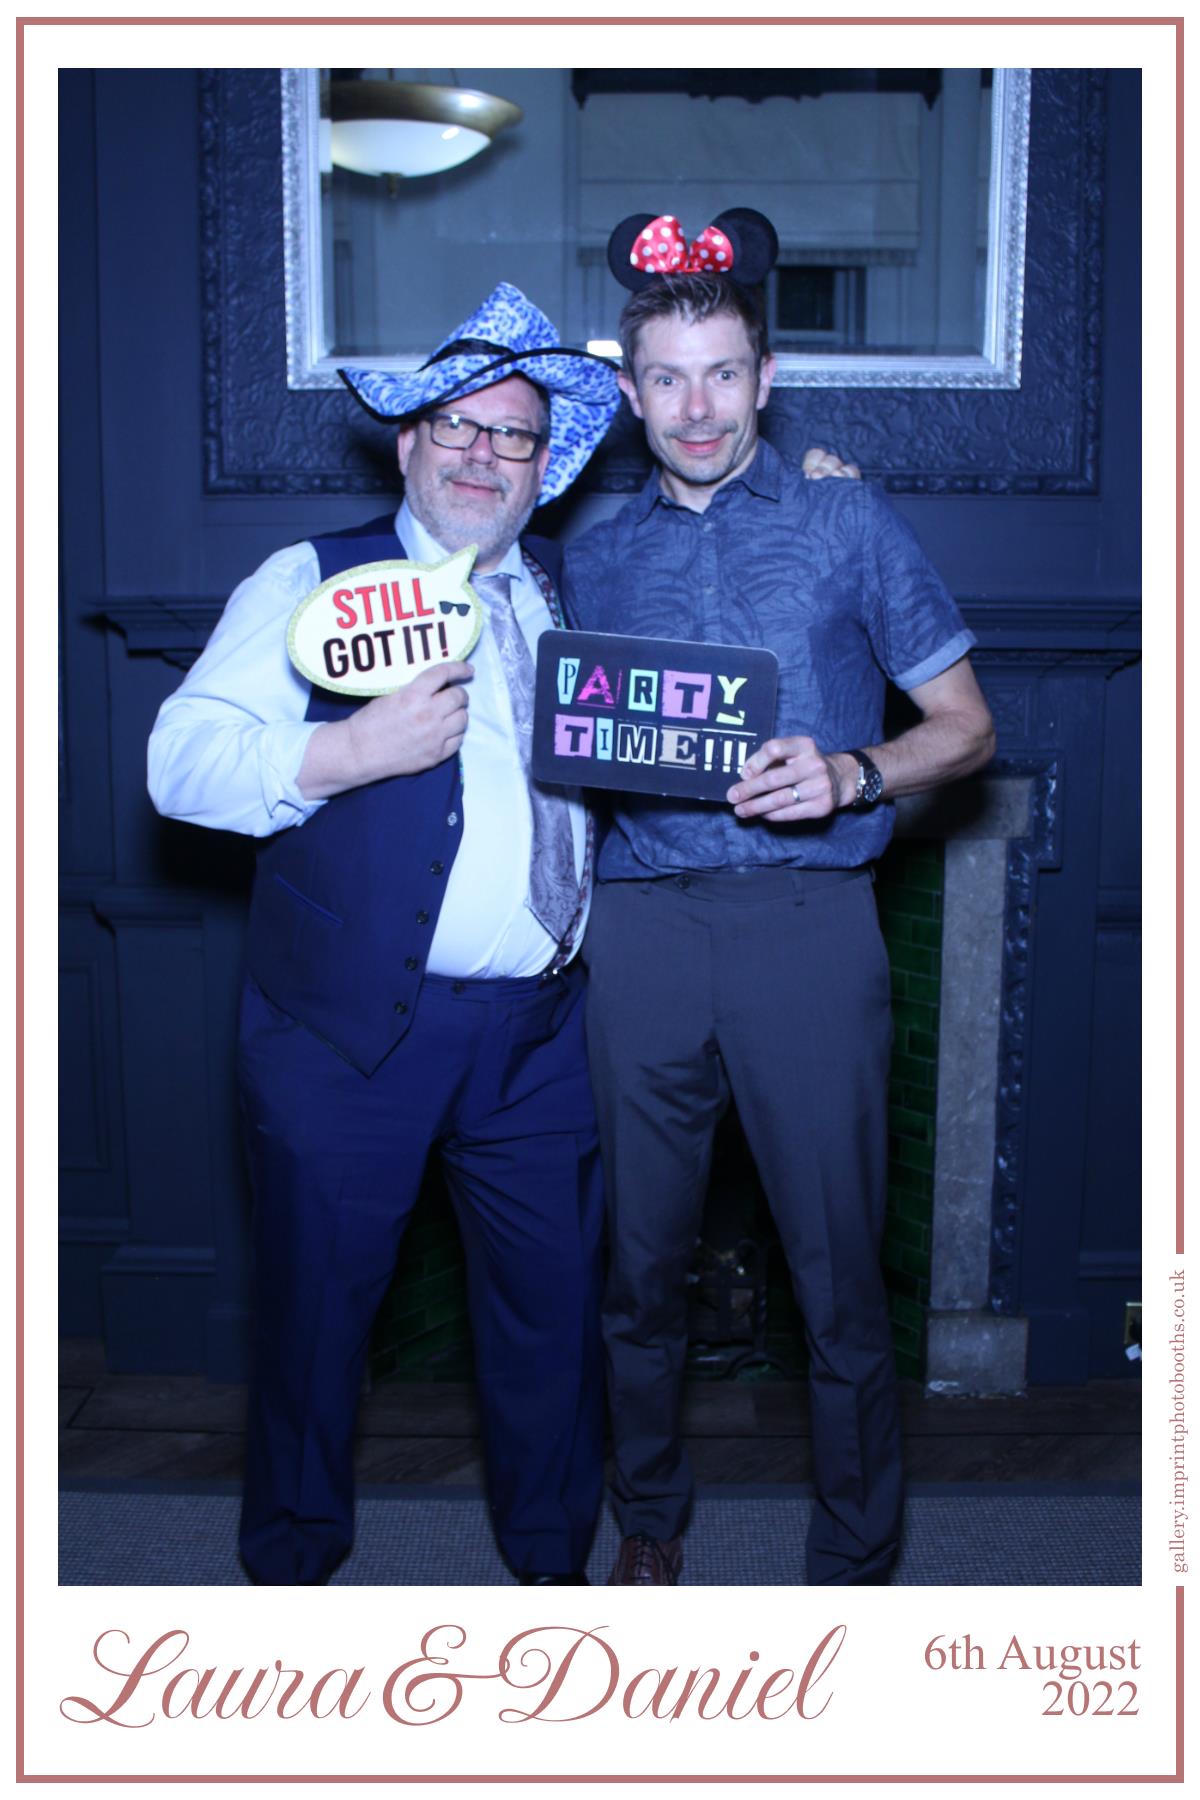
661 249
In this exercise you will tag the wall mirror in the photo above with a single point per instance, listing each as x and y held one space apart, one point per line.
899 196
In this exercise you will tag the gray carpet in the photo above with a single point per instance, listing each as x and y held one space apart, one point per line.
738 1538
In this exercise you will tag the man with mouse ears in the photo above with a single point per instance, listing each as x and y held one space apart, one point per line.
734 951
412 983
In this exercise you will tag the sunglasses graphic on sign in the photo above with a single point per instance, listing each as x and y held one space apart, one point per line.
373 628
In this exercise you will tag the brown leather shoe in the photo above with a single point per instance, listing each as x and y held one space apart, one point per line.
647 1562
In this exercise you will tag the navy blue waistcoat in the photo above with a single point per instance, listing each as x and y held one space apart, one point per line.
344 906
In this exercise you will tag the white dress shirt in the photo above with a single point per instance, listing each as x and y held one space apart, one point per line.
227 747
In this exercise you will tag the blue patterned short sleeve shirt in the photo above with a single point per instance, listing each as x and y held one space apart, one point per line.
824 573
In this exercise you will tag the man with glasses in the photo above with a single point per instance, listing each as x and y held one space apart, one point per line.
411 979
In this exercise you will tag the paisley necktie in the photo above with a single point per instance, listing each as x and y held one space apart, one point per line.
553 884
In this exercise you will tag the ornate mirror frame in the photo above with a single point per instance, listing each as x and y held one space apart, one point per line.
997 366
263 437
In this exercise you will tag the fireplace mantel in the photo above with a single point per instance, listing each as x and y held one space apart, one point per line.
997 831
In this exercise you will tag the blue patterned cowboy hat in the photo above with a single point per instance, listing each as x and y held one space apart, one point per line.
506 336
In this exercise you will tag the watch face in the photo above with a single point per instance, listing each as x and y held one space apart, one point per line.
872 786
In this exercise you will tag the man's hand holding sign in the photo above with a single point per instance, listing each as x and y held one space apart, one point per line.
398 632
791 778
415 728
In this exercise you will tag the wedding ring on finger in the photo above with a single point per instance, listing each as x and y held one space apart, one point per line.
795 796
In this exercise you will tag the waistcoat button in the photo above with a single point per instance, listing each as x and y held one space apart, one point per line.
410 962
402 1006
422 918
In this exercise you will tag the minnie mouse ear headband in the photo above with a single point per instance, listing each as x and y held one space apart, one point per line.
740 243
505 336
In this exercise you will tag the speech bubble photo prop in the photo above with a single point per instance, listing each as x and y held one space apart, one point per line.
649 715
372 629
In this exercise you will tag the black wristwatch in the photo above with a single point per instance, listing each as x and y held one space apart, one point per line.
870 782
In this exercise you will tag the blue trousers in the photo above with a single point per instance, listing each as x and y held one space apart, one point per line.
771 988
492 1075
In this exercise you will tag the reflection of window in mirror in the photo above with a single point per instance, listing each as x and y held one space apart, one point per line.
882 185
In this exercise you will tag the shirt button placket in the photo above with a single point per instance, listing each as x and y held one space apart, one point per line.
710 586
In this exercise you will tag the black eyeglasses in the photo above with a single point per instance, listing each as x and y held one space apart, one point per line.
454 432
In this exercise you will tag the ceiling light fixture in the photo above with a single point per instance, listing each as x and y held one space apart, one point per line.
412 128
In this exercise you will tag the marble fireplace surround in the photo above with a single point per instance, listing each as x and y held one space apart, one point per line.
997 831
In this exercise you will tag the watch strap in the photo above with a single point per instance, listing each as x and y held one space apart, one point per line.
870 782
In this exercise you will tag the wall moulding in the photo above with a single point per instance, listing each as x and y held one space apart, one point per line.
1022 637
263 438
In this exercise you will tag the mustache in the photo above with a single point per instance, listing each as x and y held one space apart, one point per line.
476 478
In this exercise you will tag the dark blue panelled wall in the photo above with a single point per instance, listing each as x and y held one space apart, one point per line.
185 461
